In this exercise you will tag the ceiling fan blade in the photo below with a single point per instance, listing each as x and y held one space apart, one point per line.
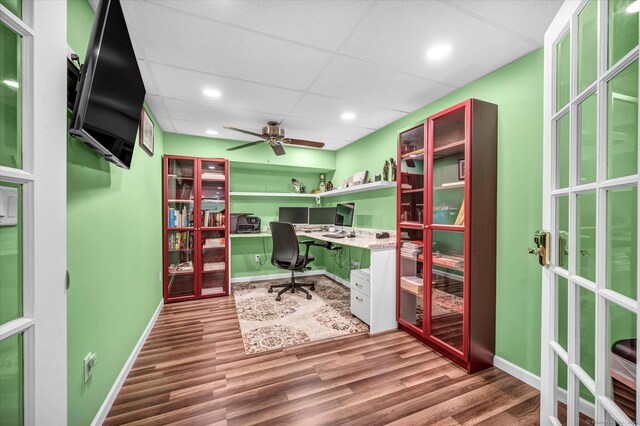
235 129
306 143
246 145
278 149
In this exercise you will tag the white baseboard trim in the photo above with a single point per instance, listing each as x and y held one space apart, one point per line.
287 275
531 379
102 413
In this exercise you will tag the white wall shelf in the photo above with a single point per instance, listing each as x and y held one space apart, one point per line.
350 190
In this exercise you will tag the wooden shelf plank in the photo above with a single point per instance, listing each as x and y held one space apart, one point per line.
451 148
336 192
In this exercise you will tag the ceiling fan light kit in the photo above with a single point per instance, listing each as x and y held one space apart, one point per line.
274 135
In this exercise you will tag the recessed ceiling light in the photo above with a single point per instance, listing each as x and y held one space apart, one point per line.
348 115
212 132
11 83
438 52
633 7
212 93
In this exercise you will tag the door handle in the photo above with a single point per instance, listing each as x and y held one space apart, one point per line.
541 239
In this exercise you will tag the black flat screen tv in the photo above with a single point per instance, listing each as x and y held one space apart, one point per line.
106 113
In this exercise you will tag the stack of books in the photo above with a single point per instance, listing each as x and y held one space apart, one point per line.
180 218
181 267
212 176
411 249
448 260
412 284
211 219
213 266
180 241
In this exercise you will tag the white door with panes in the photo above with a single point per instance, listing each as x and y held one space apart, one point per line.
33 165
590 209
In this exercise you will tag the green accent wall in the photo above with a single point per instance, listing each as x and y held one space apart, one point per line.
114 247
517 90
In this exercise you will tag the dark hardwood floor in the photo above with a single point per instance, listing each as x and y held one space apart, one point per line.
193 371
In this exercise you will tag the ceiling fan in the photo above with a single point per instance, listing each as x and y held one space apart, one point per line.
273 134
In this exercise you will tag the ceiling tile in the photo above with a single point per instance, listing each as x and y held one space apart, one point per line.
323 24
157 105
147 77
529 18
165 124
196 43
364 82
216 117
300 128
397 34
182 84
322 108
197 129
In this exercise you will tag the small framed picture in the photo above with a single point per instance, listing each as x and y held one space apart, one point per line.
146 132
461 169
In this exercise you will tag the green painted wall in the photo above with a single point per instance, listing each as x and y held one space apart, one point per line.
517 90
114 249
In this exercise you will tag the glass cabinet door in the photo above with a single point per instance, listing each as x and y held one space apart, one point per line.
181 269
411 262
180 193
447 180
214 265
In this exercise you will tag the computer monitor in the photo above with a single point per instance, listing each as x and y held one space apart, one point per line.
345 214
295 215
322 215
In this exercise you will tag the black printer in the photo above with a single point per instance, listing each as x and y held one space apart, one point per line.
244 223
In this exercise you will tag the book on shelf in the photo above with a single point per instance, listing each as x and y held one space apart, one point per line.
412 284
180 241
411 249
448 260
406 186
213 219
214 266
180 217
213 243
460 218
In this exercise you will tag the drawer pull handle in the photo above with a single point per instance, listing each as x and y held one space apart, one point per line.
358 299
358 285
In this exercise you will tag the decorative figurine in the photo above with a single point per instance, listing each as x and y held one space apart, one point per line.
322 186
295 185
329 186
393 169
385 170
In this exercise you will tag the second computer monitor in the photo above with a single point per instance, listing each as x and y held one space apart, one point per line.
322 215
296 215
345 213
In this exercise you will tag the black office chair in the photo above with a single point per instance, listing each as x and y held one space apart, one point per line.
286 255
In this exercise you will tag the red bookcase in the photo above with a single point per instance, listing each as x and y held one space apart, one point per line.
447 232
195 218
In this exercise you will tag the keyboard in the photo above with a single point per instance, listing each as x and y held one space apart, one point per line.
333 235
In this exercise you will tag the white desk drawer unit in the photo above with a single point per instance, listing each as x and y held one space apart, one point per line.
360 292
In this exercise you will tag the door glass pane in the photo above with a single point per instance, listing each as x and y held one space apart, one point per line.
411 282
14 6
10 98
622 241
12 381
181 268
586 226
213 194
622 360
622 123
180 193
561 383
447 295
562 220
411 144
562 152
587 307
623 28
562 311
587 140
214 267
562 71
11 263
449 169
587 44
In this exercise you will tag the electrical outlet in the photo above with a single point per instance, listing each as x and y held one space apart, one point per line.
257 258
90 362
355 264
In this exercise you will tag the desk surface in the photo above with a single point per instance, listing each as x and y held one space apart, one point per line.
365 238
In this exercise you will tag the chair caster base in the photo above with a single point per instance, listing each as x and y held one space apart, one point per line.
312 288
308 296
270 290
278 299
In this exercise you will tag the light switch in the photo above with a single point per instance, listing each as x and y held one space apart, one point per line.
8 206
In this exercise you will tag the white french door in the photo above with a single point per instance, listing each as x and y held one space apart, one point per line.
590 208
33 213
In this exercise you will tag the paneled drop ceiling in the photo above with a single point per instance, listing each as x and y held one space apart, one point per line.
306 63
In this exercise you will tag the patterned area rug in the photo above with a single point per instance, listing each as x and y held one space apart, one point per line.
267 325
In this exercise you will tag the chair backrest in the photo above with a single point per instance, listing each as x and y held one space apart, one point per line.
285 243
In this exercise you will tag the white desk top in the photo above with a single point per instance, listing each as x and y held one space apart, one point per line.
365 238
